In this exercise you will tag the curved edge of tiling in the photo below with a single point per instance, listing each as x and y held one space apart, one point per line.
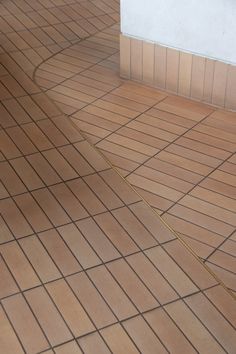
220 282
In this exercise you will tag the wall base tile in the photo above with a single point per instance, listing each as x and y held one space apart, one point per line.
184 74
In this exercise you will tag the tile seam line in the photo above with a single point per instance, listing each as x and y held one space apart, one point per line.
130 186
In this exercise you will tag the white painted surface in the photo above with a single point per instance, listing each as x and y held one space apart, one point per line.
204 27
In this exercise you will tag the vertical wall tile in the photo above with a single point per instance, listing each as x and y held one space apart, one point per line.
230 100
208 80
185 70
188 75
124 56
198 73
219 83
172 72
148 62
136 59
160 66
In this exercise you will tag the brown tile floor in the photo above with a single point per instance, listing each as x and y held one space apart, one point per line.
179 155
85 263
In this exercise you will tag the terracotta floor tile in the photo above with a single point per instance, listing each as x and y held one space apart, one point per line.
7 146
209 209
112 292
210 317
155 201
91 300
27 173
223 260
218 187
222 300
69 202
43 169
132 144
202 220
70 347
171 271
173 170
143 336
21 140
14 219
119 186
68 129
37 136
227 277
214 198
95 124
194 231
8 339
5 234
62 167
153 131
25 325
190 265
32 212
224 177
154 225
103 192
46 105
169 333
32 108
208 139
132 285
86 196
98 240
229 247
80 165
73 313
172 118
53 134
122 151
6 120
17 112
48 316
152 278
154 187
150 144
91 341
198 335
79 246
40 260
7 283
193 155
92 156
228 167
116 233
51 207
118 340
3 192
20 267
58 250
165 179
183 162
184 108
206 149
134 228
110 116
219 133
10 179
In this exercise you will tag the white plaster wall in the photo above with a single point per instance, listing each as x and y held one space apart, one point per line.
204 27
